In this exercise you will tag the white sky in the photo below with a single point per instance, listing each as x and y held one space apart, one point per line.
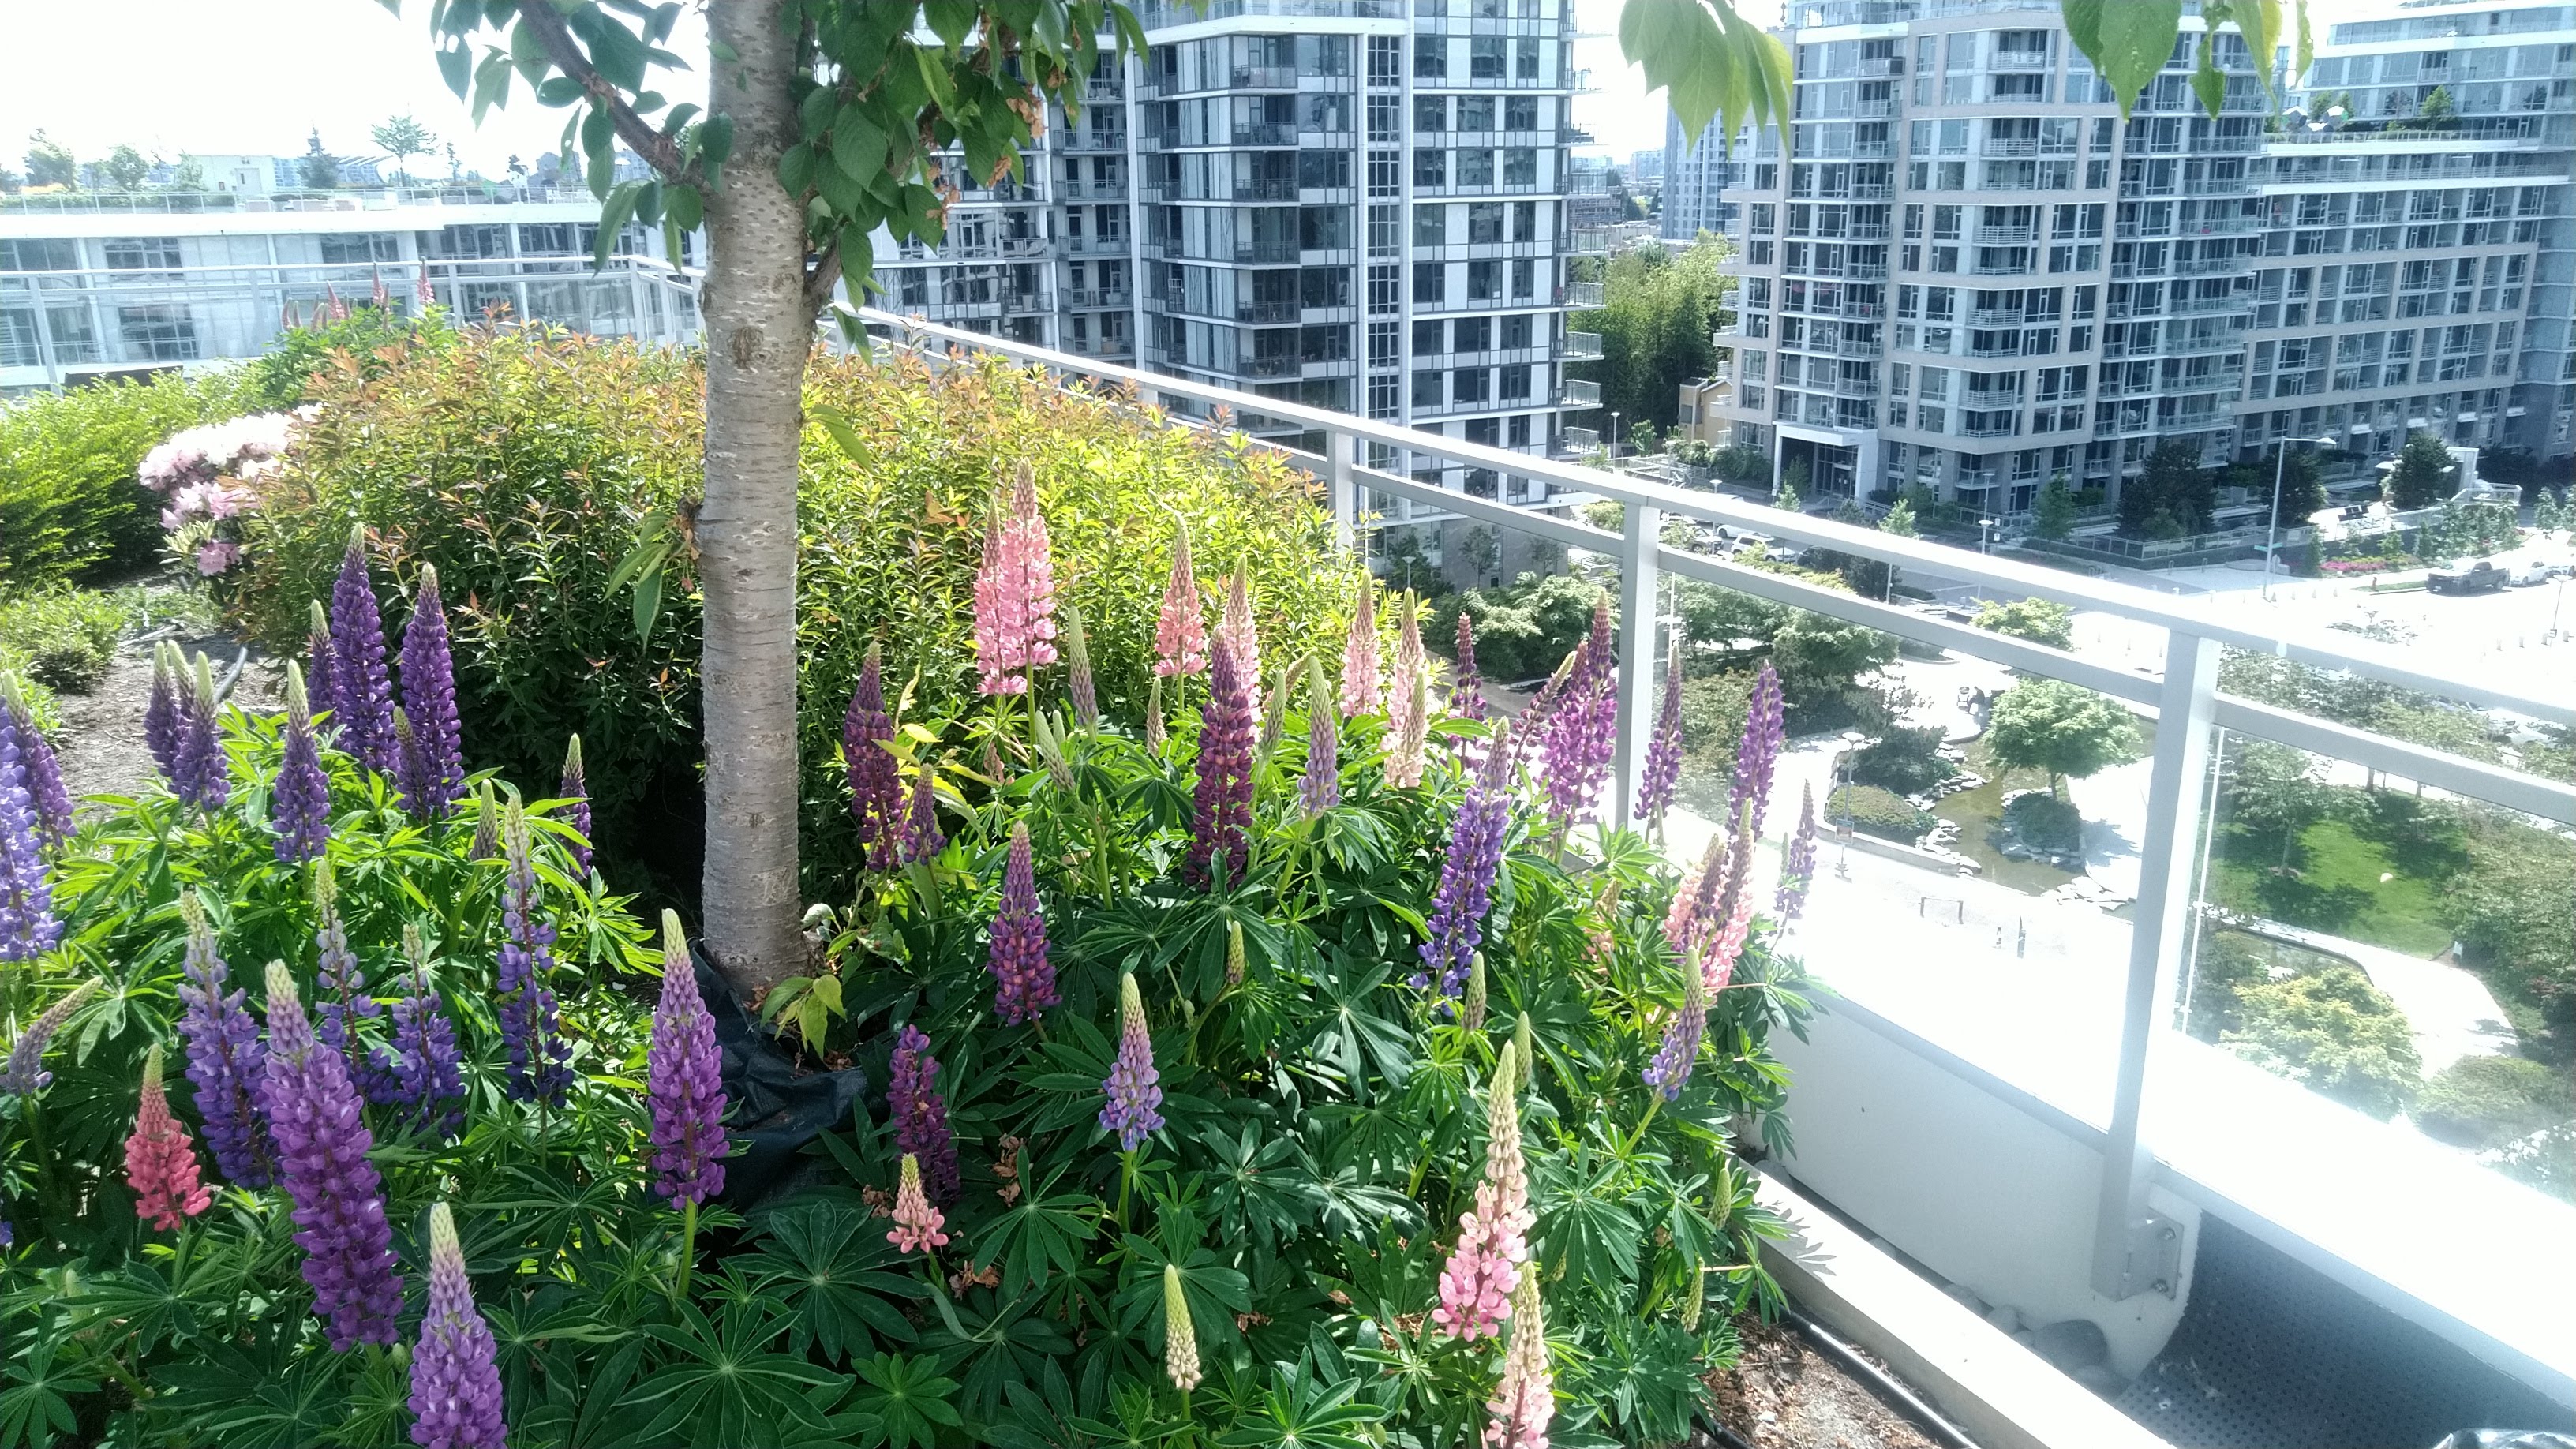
254 76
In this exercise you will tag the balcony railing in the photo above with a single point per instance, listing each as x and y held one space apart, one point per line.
1580 347
1585 295
1576 392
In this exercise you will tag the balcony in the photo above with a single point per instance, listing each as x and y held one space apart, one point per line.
1094 245
2006 236
1088 139
1584 295
2010 146
1587 241
1263 77
1874 110
1580 347
1577 392
1881 67
1097 299
2019 60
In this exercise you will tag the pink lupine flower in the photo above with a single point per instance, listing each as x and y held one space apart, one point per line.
1524 1402
1408 702
916 1223
1180 631
1359 655
1235 627
1015 594
161 1160
1493 1237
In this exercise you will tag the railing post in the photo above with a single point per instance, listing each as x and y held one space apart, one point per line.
2134 1250
1341 490
1637 596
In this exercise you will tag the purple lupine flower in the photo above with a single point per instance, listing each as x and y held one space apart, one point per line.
362 695
322 1146
1530 725
321 680
683 1088
429 702
540 1059
1078 683
921 1114
227 1062
24 1075
28 928
300 802
575 790
1132 1084
1467 687
343 999
199 776
1222 828
487 825
1664 748
407 762
420 1055
876 780
1798 870
1670 1071
921 838
45 793
1457 924
161 715
1580 735
1023 977
1759 751
1321 790
455 1386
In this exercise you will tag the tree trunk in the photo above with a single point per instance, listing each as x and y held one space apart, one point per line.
759 332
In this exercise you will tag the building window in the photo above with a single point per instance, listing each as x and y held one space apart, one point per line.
1516 384
1471 384
1431 57
1520 423
1430 284
1525 279
1485 223
1426 388
1520 167
1385 173
160 333
1428 338
1431 113
1431 225
1520 113
372 246
1525 59
145 254
1485 57
1385 289
1386 60
1484 282
1475 168
1430 167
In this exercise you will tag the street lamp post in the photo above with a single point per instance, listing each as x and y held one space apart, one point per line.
2272 540
1614 435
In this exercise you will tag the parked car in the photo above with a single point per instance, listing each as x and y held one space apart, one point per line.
2479 578
2532 575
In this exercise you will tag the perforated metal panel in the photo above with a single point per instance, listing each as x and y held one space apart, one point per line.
2272 1354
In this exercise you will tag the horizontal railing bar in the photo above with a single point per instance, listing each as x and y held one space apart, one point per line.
2512 789
2306 646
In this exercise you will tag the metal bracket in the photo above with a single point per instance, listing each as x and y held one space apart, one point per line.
2152 1260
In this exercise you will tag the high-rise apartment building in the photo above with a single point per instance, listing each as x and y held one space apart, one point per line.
1964 270
1354 204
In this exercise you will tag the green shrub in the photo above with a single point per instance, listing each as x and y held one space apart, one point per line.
1906 760
2486 1102
1713 711
2045 822
526 464
1524 631
70 505
62 638
362 344
2334 1033
2037 620
1873 811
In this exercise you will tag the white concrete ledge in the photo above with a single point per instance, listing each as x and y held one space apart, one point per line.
2003 1395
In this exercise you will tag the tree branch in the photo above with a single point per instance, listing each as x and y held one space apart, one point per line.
659 149
825 275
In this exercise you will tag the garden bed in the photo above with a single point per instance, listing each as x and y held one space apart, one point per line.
1782 1391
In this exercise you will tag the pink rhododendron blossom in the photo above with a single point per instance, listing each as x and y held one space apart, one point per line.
216 555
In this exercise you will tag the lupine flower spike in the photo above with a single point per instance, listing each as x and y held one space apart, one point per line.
1476 1284
200 778
1798 870
683 1090
362 694
916 1223
1180 1336
161 714
227 1061
344 1000
1467 873
1471 1012
1155 735
25 1074
44 774
921 838
875 776
1722 932
1015 593
1078 684
1525 1049
161 1159
1180 630
427 1076
429 702
1132 1085
321 679
921 1114
1234 958
1524 1403
28 926
1023 978
1220 830
1408 701
1235 627
1467 687
1360 687
487 824
1764 728
322 1147
1274 714
1670 1071
540 1059
1664 748
1321 789
455 1385
407 762
300 802
574 789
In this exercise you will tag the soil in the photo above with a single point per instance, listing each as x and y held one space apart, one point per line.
102 751
1783 1394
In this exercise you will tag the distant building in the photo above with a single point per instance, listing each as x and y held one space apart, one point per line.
1696 178
1645 170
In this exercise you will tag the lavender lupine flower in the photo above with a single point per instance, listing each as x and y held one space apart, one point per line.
25 1074
1457 924
1078 684
1671 1068
1321 790
28 928
540 1059
1580 734
1764 727
421 1057
455 1386
362 695
342 998
1664 748
921 838
227 1062
683 1088
429 702
1535 717
1408 725
45 792
921 1114
1360 685
1015 593
1220 833
876 781
1180 630
322 1147
300 803
161 714
1798 867
574 788
320 678
1131 1085
200 777
1467 687
1023 977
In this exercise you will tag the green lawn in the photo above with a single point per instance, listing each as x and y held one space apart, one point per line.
2337 886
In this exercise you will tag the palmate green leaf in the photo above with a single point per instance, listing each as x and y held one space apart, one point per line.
232 1399
36 1405
906 1399
725 1385
1038 1235
1299 1412
1014 1344
1260 1191
1590 1230
1353 1037
1216 1293
823 1262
